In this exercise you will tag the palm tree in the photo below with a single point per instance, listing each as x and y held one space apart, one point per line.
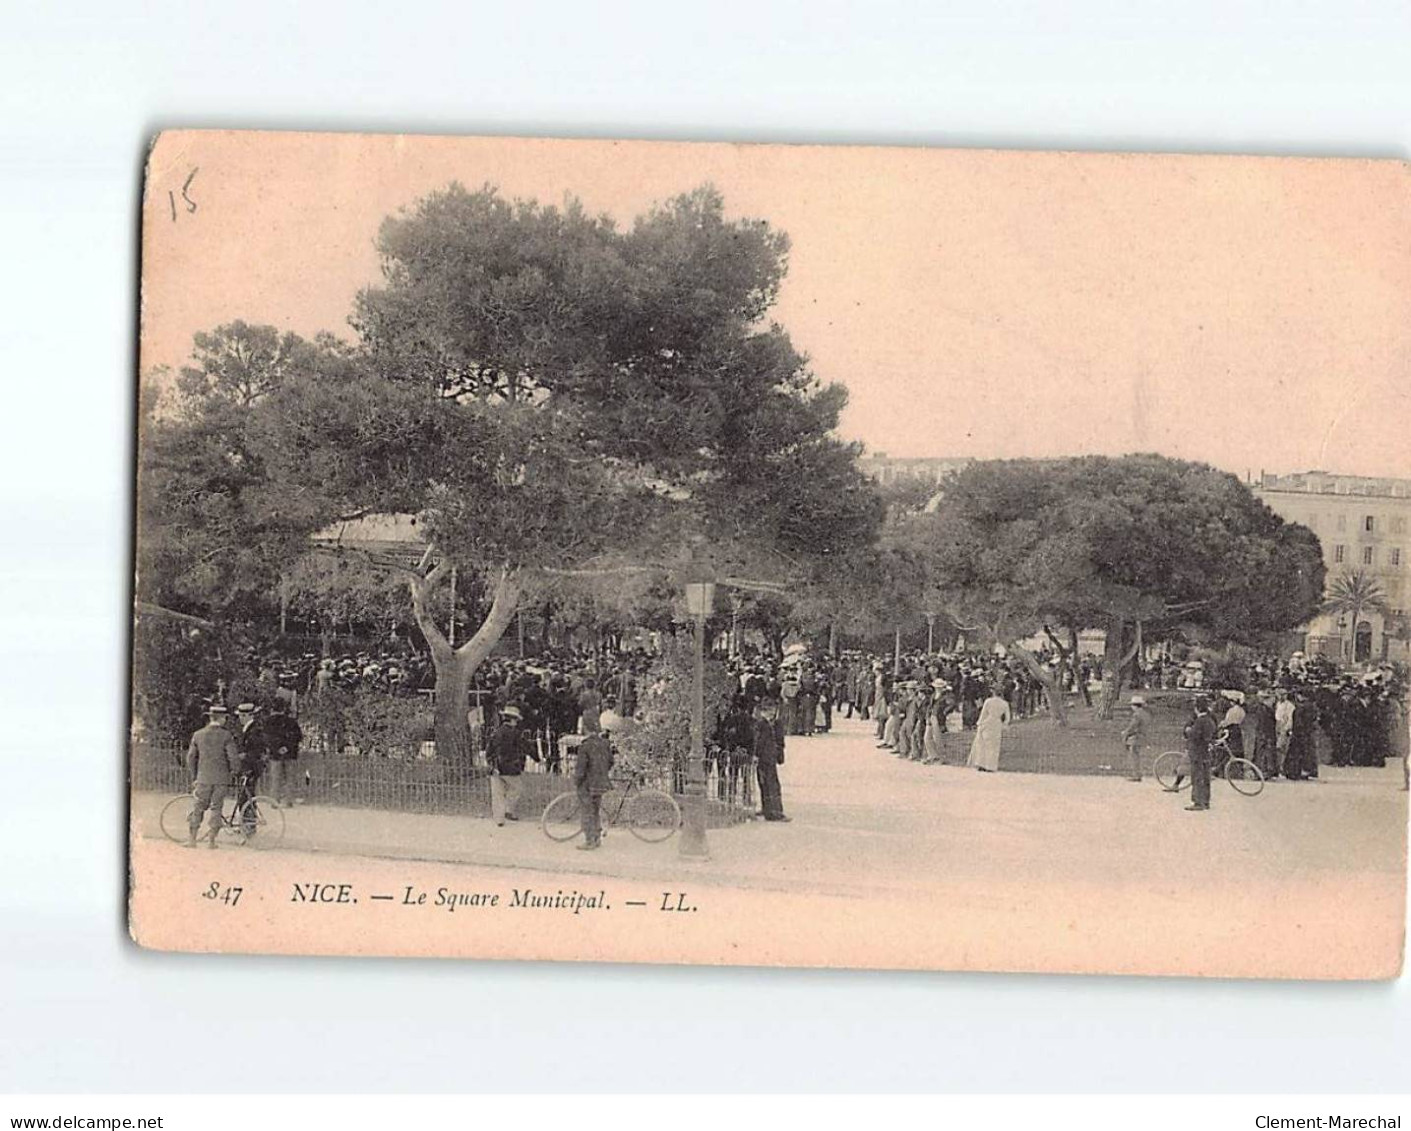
1355 592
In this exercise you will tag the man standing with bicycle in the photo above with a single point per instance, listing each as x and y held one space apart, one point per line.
213 759
590 778
1200 732
254 756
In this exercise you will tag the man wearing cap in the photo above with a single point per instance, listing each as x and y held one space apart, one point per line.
590 779
1134 736
768 753
1200 731
506 756
213 758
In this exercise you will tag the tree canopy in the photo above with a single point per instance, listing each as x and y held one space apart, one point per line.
555 397
1098 542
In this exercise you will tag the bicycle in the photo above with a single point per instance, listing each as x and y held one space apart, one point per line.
257 819
650 814
1173 770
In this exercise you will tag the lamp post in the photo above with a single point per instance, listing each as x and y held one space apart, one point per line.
700 594
930 633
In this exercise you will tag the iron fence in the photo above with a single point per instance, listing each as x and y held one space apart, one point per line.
416 784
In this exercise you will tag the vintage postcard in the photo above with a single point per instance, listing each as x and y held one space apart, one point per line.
772 555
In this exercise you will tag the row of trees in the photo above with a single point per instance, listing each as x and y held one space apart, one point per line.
578 413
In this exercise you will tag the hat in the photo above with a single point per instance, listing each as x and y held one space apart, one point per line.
511 713
216 709
246 709
1138 700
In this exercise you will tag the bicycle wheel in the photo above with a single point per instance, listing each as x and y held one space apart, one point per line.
261 822
1245 776
561 820
1173 771
176 816
652 815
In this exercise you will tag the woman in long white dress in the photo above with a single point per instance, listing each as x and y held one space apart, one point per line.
989 729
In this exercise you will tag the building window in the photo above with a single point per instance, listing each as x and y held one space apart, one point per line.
1366 555
1368 524
1342 522
1398 524
1339 553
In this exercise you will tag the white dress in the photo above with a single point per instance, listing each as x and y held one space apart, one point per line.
984 751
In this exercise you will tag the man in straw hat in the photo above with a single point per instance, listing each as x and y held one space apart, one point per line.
1134 736
213 758
250 737
509 748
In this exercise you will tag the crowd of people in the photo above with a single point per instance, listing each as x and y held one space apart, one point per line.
522 710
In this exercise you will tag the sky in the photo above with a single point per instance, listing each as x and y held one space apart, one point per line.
1254 313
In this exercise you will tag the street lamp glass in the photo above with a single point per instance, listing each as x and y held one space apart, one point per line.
700 596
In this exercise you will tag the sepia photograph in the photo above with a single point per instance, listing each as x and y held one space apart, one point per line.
771 555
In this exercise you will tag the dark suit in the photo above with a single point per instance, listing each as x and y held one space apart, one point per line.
768 747
1266 745
591 777
282 738
254 756
508 750
1200 732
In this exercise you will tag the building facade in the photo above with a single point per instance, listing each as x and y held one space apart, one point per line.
1363 524
887 469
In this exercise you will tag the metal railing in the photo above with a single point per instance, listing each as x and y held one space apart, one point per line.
418 784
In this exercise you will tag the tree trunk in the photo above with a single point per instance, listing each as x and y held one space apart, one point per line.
1111 666
1080 685
1060 677
1115 658
1053 688
452 723
456 666
544 630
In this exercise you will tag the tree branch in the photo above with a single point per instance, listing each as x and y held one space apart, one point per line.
606 571
185 618
502 609
420 589
1136 647
1186 607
